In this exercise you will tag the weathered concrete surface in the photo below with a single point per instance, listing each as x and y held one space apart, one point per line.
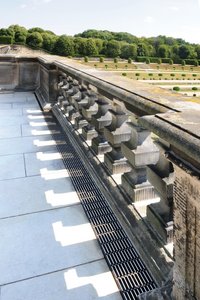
18 73
187 234
48 248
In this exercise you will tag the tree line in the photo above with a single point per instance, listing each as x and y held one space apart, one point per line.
95 43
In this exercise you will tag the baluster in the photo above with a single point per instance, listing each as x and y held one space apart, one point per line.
140 151
89 109
101 119
161 176
116 133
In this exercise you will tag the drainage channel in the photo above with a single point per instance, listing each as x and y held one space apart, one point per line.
130 273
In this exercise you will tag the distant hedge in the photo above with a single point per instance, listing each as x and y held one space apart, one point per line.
192 62
5 39
156 60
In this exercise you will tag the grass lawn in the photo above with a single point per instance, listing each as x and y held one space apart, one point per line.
158 74
110 65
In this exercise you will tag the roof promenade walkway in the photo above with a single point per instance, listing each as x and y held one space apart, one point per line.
48 250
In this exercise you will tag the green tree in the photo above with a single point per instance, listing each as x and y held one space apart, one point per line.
125 37
113 48
197 50
128 50
9 32
186 51
142 50
91 48
64 46
20 37
36 29
99 45
99 34
80 46
19 33
163 51
34 39
49 41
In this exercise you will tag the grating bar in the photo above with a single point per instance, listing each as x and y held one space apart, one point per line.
130 273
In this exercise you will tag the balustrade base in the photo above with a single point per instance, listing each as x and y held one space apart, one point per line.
163 185
116 163
118 136
100 146
89 133
142 156
46 106
138 191
89 112
101 122
161 220
80 122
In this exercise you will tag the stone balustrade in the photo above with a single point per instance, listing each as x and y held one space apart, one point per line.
117 117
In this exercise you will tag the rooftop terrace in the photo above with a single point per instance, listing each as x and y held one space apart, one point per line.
123 153
48 248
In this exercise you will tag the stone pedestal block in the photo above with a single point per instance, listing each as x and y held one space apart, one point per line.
100 122
116 163
141 156
160 219
89 132
73 114
89 112
137 186
80 103
163 186
116 137
100 145
80 122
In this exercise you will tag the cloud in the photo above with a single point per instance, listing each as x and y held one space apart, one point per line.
23 6
174 8
149 19
199 2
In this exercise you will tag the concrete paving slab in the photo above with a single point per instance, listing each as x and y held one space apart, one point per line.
28 130
13 99
32 111
7 132
5 106
48 250
18 196
11 120
38 162
23 119
11 112
12 166
44 242
4 96
26 105
26 144
89 282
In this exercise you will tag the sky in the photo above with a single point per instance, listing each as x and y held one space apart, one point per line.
175 18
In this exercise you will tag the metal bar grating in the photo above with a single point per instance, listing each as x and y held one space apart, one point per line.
129 271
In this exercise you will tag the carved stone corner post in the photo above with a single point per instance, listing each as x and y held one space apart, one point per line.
140 151
48 89
116 133
99 120
160 214
90 108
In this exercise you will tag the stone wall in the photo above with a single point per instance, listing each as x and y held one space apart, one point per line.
186 235
19 73
47 86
